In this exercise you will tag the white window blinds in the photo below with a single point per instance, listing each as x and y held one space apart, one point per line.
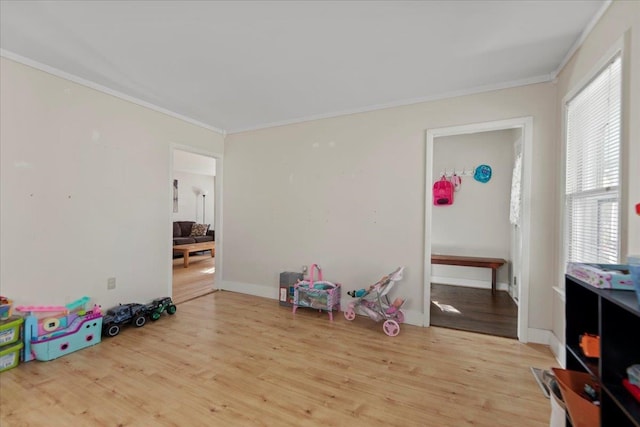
593 169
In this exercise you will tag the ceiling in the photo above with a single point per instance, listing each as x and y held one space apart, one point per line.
241 65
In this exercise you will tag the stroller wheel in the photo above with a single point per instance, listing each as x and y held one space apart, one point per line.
391 328
399 316
349 314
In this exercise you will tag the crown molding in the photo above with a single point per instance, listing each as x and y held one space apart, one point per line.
476 90
585 33
92 85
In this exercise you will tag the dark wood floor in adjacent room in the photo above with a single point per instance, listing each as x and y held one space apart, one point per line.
478 310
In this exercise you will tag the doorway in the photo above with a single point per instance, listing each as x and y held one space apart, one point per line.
194 201
476 224
445 232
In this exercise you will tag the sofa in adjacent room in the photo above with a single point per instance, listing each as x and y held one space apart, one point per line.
187 232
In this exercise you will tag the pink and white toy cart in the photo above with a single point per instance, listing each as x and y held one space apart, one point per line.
320 294
374 302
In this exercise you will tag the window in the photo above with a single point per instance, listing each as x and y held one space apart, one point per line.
592 173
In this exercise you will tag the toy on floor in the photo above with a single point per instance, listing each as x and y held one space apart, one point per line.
374 302
158 305
135 314
54 331
123 314
5 308
395 306
320 294
359 293
10 342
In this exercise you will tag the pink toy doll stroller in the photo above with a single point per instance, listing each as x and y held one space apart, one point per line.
374 302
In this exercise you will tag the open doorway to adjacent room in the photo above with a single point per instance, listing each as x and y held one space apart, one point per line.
487 222
194 213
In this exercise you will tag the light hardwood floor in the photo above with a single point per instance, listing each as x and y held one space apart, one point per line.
195 280
227 359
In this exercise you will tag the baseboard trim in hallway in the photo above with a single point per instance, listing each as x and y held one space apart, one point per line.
191 298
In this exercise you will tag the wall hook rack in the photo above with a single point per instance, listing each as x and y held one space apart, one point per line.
455 171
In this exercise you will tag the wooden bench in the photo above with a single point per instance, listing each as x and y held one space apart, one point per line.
194 247
470 261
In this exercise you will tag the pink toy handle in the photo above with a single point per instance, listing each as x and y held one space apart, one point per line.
317 267
41 308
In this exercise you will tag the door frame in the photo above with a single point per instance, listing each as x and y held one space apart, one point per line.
525 124
217 208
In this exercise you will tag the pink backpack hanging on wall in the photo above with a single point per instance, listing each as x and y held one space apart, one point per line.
443 192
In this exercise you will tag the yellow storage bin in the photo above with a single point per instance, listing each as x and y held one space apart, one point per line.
10 356
10 330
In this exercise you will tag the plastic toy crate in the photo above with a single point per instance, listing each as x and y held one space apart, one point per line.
86 333
321 295
603 276
10 330
10 356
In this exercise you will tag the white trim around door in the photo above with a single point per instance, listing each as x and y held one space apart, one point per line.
217 208
525 124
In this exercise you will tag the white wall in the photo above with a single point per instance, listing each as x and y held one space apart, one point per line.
621 20
85 191
477 223
349 193
196 177
184 161
190 189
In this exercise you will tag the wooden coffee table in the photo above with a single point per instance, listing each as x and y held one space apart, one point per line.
195 247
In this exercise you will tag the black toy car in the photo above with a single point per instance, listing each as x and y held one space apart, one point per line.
121 315
158 305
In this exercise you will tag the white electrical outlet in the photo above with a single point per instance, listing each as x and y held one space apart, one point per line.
111 283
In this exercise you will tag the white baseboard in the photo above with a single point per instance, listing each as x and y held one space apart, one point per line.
538 336
469 283
558 350
545 337
250 289
413 317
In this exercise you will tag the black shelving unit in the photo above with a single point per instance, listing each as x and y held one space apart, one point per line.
614 316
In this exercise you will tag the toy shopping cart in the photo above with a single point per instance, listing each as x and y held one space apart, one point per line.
374 302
